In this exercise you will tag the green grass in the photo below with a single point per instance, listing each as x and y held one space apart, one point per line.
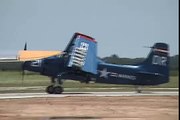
14 79
174 73
173 83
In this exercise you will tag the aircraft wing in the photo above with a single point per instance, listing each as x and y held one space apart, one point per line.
26 55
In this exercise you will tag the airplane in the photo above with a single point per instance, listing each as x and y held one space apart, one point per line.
79 62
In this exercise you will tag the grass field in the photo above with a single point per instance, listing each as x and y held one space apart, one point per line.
31 81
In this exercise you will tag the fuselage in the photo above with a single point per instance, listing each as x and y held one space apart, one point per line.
106 73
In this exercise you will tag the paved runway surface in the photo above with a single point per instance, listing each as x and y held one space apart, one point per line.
67 94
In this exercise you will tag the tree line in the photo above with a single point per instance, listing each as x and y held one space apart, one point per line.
115 59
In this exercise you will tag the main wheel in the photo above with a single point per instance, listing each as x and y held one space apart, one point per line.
139 91
58 90
50 89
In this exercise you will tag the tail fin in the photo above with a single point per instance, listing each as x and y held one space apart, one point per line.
157 61
82 52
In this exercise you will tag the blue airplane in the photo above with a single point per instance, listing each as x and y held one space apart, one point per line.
79 62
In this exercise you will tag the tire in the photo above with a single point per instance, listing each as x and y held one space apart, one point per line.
58 90
50 89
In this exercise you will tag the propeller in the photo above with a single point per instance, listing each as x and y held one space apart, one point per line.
25 46
23 71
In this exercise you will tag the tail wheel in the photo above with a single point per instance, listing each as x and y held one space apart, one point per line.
138 89
58 90
50 89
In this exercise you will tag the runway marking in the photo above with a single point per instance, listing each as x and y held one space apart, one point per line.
84 94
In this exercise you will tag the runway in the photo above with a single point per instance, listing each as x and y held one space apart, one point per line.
81 94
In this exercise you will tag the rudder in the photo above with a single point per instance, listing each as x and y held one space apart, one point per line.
157 61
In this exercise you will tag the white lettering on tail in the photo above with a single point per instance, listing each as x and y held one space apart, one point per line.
159 60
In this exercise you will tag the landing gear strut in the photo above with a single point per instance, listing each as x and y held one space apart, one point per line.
56 87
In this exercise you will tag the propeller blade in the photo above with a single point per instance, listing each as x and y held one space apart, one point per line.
25 46
23 73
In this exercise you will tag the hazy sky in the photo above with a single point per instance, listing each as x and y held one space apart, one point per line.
120 27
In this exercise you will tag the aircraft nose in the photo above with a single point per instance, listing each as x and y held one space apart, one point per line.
36 63
33 65
26 65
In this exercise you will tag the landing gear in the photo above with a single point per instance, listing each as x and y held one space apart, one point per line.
50 89
56 87
58 90
138 89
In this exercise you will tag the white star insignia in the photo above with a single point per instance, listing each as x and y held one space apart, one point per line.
104 73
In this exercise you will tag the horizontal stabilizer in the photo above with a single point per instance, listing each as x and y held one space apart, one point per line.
27 55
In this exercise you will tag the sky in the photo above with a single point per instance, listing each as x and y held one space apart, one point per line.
120 27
